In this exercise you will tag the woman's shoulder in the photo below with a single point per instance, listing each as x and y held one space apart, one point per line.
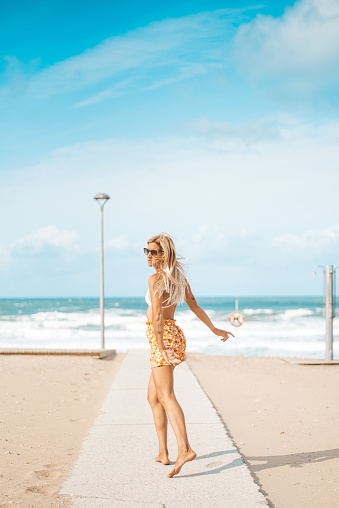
153 279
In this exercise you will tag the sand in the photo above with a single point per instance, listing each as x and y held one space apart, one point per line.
284 419
47 406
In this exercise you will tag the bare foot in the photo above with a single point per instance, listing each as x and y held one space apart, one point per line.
162 457
181 460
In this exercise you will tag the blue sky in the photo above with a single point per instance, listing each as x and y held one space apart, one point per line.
214 121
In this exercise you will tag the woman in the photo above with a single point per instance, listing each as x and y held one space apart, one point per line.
168 288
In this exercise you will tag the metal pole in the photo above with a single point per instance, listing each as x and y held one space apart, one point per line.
102 199
102 280
329 312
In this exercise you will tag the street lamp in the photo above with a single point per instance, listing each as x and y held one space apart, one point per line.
101 199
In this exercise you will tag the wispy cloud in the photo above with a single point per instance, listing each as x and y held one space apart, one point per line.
250 131
115 91
225 243
234 201
45 241
119 242
18 74
318 240
297 54
186 73
294 55
182 46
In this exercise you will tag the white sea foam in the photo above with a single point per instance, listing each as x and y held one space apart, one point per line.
266 332
253 312
294 313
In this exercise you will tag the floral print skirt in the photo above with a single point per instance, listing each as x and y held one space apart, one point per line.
173 339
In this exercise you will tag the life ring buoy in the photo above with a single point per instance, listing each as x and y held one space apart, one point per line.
236 318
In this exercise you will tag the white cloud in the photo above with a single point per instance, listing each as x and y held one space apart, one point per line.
176 48
298 52
118 243
222 198
264 128
45 240
180 47
18 73
225 170
315 239
115 91
209 232
186 73
223 243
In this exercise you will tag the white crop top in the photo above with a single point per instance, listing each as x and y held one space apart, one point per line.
148 301
148 298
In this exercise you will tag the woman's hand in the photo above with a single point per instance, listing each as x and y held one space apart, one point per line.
170 356
222 333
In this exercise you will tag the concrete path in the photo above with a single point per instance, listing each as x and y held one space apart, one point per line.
116 466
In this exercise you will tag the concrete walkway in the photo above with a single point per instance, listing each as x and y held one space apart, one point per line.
116 466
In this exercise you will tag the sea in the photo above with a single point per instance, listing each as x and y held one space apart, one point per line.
274 326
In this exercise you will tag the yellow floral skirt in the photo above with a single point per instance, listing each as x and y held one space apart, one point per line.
173 339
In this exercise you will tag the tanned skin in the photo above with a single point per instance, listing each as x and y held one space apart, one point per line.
160 389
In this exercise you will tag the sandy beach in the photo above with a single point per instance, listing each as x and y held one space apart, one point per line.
283 418
47 406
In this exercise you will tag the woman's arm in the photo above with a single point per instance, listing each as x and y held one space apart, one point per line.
158 322
201 314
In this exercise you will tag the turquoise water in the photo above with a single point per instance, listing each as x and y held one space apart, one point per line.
274 326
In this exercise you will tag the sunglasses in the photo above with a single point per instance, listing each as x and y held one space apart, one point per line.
153 252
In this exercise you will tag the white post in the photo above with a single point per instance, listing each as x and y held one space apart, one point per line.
102 199
102 280
329 312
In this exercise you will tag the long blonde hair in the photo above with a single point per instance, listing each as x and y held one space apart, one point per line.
173 279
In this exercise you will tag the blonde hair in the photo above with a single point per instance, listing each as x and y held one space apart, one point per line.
173 279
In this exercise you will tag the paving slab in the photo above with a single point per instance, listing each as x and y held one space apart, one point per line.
116 466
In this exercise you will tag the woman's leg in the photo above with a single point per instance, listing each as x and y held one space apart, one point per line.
163 381
160 421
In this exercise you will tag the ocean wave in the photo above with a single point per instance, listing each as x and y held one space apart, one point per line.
295 313
254 312
281 314
297 331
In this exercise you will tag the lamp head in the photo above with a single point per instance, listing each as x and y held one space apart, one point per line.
101 199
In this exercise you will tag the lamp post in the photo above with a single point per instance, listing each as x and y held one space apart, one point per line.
101 199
